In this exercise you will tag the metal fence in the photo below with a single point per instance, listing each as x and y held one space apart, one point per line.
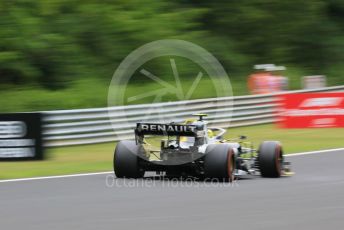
87 126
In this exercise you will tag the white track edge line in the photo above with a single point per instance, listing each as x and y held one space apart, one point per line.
313 152
110 172
55 177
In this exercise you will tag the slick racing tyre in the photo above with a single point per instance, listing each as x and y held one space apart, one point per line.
270 159
219 162
126 162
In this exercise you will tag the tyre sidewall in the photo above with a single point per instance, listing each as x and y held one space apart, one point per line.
216 162
270 154
126 162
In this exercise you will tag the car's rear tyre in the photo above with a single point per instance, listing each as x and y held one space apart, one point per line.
126 162
270 159
219 162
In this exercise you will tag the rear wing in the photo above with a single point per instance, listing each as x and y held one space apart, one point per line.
165 129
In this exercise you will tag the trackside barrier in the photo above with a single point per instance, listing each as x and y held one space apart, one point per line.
89 126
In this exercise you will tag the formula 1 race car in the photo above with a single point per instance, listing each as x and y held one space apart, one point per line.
190 148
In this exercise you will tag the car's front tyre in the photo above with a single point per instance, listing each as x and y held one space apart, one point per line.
270 159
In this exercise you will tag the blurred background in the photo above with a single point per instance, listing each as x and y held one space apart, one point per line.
61 54
57 59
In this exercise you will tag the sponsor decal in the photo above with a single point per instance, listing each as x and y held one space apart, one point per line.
165 129
322 102
311 110
12 129
168 128
20 136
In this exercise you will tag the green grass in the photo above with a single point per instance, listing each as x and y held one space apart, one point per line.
95 158
65 160
293 140
92 92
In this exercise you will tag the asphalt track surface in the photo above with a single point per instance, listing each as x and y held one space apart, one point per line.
311 199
